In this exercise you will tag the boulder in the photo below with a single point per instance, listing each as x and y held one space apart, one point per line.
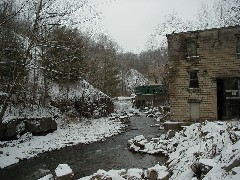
170 134
197 171
2 131
53 125
153 175
16 127
100 177
41 126
139 144
232 164
206 165
158 172
64 172
11 129
134 174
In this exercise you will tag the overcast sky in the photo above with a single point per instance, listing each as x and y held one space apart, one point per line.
131 22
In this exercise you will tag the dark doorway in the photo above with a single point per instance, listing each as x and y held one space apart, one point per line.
220 99
228 98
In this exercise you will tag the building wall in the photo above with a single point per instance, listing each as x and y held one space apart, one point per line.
216 58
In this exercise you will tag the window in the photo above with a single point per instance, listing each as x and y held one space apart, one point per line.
192 48
238 47
193 79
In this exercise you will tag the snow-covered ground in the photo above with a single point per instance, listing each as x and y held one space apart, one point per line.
212 148
159 172
28 146
85 131
208 151
76 91
133 173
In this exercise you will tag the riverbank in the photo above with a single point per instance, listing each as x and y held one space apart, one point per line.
67 134
207 150
29 146
86 159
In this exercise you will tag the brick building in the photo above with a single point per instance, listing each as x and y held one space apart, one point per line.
204 80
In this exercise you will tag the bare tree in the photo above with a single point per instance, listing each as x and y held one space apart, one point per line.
223 13
32 41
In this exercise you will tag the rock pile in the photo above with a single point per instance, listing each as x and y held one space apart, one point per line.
17 127
209 149
62 172
154 173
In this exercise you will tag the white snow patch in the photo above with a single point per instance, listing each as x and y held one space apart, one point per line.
135 172
162 171
63 169
208 162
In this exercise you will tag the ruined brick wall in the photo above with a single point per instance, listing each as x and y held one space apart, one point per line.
216 58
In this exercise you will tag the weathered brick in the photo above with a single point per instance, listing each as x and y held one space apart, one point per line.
216 49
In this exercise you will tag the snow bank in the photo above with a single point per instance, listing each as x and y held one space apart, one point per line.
133 173
213 148
62 170
28 146
76 91
161 171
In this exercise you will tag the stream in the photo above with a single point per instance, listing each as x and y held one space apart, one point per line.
86 159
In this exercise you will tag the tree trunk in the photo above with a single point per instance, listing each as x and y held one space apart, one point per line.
33 36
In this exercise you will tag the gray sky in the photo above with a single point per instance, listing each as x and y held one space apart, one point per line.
131 22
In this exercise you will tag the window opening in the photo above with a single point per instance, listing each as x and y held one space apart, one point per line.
238 47
192 48
193 79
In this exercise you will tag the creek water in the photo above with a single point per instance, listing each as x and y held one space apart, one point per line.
86 159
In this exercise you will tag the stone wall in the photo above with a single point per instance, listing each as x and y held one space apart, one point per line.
216 58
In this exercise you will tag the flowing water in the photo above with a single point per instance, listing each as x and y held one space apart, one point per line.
86 159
